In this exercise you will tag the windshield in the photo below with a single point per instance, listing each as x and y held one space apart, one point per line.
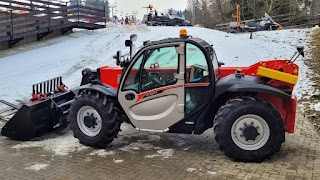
164 57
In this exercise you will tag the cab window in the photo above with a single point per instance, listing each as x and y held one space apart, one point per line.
197 88
197 67
160 68
133 78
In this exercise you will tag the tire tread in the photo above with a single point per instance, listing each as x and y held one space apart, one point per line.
238 154
111 123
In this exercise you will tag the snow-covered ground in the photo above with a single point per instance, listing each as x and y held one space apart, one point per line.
68 55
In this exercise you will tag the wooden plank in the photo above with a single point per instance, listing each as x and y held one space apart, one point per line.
38 12
33 20
86 8
36 18
5 18
58 7
29 33
64 14
44 16
14 7
58 21
50 3
98 14
64 8
24 3
33 13
94 18
5 29
5 24
24 26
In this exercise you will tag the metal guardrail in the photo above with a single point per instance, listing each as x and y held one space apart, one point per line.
41 17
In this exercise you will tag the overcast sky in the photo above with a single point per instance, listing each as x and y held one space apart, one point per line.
128 6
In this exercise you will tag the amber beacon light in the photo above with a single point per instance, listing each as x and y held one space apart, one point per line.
183 33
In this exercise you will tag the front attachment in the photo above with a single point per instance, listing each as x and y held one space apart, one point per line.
47 109
28 122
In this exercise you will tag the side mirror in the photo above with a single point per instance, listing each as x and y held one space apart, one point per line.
301 50
220 63
128 43
118 58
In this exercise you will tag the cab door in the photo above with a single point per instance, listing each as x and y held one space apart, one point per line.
152 91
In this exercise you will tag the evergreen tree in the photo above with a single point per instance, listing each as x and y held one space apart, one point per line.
187 14
206 19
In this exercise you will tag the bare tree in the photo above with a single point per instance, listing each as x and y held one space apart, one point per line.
315 7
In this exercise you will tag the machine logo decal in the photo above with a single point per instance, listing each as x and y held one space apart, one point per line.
156 91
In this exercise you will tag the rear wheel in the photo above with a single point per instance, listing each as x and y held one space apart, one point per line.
249 129
94 119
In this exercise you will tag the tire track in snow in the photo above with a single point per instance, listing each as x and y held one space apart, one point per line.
31 70
92 57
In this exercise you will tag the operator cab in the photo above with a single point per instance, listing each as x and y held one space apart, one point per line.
167 81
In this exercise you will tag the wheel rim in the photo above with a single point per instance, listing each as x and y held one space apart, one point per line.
250 132
89 121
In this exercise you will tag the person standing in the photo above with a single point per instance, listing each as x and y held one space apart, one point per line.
122 21
126 21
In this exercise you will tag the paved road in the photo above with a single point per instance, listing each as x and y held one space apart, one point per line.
140 155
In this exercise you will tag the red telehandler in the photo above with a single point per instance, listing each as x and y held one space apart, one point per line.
174 85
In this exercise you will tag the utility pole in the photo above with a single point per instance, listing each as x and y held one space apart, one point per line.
149 7
135 15
112 7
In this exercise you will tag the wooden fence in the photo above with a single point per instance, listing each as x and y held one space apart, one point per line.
41 17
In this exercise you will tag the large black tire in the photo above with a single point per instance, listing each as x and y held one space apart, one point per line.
109 119
243 111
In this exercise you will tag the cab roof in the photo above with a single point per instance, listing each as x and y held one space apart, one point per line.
199 41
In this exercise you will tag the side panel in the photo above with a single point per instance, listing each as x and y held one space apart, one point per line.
287 109
111 76
291 117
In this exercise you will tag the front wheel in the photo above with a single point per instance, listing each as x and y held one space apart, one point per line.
249 129
94 119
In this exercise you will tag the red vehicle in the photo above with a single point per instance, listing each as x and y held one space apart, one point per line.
176 86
